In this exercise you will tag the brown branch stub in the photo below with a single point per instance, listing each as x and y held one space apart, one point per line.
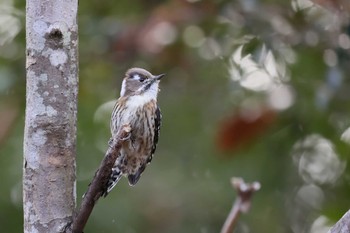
245 192
343 225
100 180
242 202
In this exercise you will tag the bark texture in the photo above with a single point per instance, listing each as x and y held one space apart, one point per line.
343 225
51 108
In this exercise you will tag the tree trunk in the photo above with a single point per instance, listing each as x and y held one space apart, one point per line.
49 191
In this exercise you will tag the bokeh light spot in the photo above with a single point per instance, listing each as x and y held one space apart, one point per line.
193 36
330 57
317 161
281 98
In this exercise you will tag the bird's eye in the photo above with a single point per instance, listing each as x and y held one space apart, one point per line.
138 77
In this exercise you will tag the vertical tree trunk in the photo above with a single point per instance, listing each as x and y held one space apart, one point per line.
51 108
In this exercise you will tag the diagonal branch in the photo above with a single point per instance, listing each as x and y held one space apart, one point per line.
343 225
99 182
242 203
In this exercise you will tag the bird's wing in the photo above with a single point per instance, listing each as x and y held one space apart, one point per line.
133 178
157 124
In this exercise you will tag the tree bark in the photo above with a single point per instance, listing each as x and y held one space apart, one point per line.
343 225
49 191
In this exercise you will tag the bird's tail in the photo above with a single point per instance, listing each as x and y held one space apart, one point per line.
113 180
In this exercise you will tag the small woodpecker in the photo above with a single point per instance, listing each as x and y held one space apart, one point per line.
136 107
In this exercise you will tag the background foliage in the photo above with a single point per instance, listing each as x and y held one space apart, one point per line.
257 89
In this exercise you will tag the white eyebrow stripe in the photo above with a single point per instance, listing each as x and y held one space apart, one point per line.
136 76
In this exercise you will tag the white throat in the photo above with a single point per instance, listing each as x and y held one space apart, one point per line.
142 99
152 91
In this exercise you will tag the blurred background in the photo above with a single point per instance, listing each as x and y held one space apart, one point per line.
257 89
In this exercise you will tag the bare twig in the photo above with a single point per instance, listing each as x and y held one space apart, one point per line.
242 203
99 182
343 225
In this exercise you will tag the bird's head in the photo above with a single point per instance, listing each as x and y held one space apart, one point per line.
139 81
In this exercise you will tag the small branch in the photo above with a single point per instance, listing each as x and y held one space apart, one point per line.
343 225
99 182
242 203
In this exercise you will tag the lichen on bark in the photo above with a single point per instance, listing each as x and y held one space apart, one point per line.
51 110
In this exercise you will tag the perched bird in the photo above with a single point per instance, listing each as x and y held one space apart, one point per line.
136 107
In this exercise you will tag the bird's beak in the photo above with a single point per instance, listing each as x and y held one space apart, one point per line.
158 77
